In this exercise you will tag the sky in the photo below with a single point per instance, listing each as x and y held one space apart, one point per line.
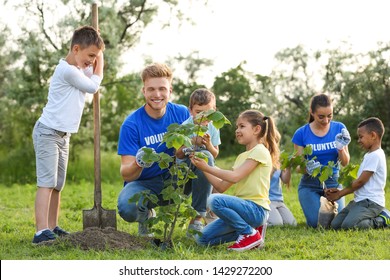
230 32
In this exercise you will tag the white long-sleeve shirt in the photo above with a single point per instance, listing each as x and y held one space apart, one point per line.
66 97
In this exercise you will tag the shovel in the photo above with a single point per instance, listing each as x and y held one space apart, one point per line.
97 216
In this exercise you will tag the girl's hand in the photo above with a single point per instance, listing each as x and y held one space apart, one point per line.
199 163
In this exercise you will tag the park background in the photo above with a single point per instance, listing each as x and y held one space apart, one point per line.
35 35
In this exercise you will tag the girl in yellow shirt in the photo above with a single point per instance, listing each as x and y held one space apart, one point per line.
243 216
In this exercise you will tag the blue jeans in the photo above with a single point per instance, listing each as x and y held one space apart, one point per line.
309 192
138 212
200 187
236 217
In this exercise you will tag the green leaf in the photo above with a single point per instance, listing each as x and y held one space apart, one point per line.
308 150
202 155
348 174
326 173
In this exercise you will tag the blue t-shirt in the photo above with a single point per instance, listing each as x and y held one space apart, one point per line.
140 130
275 190
324 148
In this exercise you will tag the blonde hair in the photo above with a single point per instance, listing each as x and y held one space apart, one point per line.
269 133
157 70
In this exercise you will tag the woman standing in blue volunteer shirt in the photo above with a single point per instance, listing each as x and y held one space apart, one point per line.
329 141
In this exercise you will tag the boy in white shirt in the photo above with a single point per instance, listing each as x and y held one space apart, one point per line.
367 209
80 72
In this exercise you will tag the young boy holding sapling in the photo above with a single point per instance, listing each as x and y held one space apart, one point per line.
201 100
367 209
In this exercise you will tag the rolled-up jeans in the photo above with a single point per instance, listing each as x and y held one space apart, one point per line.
236 217
199 187
310 190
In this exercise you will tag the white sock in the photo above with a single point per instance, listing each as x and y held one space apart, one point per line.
253 232
39 232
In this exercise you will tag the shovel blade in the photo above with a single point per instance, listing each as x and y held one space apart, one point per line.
99 217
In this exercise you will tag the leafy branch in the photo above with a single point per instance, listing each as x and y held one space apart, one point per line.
176 207
298 163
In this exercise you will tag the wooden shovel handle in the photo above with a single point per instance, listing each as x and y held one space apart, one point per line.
96 126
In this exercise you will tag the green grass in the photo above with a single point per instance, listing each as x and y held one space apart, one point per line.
282 243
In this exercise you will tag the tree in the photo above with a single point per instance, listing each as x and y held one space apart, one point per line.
45 32
234 95
293 82
360 83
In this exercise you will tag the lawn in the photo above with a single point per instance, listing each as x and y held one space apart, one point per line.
282 243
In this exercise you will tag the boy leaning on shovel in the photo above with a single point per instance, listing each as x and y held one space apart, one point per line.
81 71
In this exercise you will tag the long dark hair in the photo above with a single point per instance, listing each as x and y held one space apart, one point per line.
318 100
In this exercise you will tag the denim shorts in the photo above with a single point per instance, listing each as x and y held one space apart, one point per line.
51 152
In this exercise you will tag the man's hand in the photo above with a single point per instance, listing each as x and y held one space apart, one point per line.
342 139
139 158
188 151
311 165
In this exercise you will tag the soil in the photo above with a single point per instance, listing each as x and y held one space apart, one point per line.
102 239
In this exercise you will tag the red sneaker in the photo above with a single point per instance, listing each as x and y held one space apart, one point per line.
246 242
261 230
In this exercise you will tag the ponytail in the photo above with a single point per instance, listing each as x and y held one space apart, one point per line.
272 141
269 133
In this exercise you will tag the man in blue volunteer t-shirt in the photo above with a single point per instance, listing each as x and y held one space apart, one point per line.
146 127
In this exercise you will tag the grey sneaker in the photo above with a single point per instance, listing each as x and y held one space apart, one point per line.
143 228
194 228
210 217
385 215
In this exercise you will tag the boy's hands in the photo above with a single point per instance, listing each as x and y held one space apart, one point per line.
206 140
139 158
202 141
332 194
98 64
342 139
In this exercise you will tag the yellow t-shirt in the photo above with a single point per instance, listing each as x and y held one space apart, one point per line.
255 187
